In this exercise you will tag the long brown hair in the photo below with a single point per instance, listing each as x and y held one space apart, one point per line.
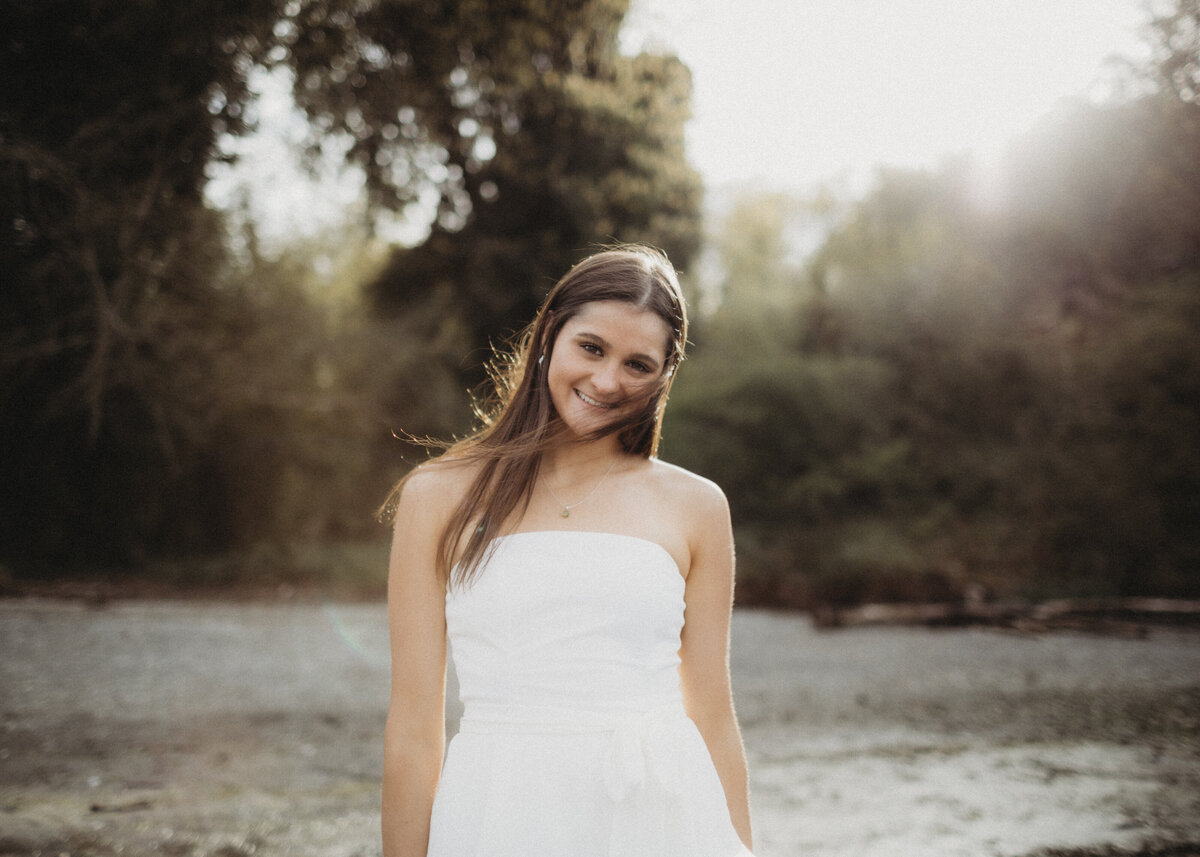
518 422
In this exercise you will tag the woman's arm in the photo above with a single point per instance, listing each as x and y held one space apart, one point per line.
704 655
415 734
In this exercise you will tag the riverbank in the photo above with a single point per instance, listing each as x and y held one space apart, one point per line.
216 729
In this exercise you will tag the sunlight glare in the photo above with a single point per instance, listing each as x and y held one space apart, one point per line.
796 93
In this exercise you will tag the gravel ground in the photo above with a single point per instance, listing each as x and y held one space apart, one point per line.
206 729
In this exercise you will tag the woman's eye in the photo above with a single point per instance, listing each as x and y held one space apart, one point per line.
639 366
590 347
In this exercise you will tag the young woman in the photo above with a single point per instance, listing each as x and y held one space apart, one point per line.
586 589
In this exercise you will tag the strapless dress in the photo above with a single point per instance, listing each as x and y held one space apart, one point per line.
574 741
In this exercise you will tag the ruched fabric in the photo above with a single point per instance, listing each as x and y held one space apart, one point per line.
574 741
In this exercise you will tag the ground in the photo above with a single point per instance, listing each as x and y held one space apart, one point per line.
210 729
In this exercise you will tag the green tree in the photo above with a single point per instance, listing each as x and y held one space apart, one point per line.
110 114
536 137
960 395
160 393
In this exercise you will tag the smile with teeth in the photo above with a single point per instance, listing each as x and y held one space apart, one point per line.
590 401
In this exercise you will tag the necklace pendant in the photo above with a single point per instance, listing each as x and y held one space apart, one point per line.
566 510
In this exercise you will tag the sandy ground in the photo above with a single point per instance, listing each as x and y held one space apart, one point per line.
220 730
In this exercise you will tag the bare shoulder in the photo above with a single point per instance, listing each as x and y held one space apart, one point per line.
700 514
702 497
433 490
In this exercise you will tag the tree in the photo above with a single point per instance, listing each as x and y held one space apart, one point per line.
158 393
536 137
110 114
1174 38
962 395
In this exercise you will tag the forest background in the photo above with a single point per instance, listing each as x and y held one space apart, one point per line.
938 395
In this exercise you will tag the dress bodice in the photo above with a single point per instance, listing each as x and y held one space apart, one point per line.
583 621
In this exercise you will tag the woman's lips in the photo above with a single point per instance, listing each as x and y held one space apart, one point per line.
588 400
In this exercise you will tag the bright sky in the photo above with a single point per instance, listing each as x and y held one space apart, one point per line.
791 93
795 92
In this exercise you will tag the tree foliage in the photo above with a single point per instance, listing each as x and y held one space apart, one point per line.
110 115
535 135
1173 34
162 393
109 119
960 396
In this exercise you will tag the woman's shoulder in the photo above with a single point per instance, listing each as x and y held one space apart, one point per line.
435 487
691 506
682 486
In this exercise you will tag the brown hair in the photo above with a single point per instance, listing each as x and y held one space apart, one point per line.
518 423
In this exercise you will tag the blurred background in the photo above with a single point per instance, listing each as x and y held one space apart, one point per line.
944 264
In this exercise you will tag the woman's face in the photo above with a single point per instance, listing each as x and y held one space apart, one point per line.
607 361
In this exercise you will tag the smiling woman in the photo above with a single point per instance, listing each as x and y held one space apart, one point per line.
591 633
525 432
607 362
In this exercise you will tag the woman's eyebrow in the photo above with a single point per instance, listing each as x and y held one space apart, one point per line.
604 343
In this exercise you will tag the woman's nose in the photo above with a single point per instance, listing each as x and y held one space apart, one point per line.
606 378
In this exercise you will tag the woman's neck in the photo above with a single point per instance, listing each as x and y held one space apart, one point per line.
570 462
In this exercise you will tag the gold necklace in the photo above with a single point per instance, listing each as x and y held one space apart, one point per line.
567 507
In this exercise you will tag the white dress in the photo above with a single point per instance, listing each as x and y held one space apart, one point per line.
574 741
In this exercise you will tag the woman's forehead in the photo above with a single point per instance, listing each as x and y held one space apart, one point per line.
623 319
